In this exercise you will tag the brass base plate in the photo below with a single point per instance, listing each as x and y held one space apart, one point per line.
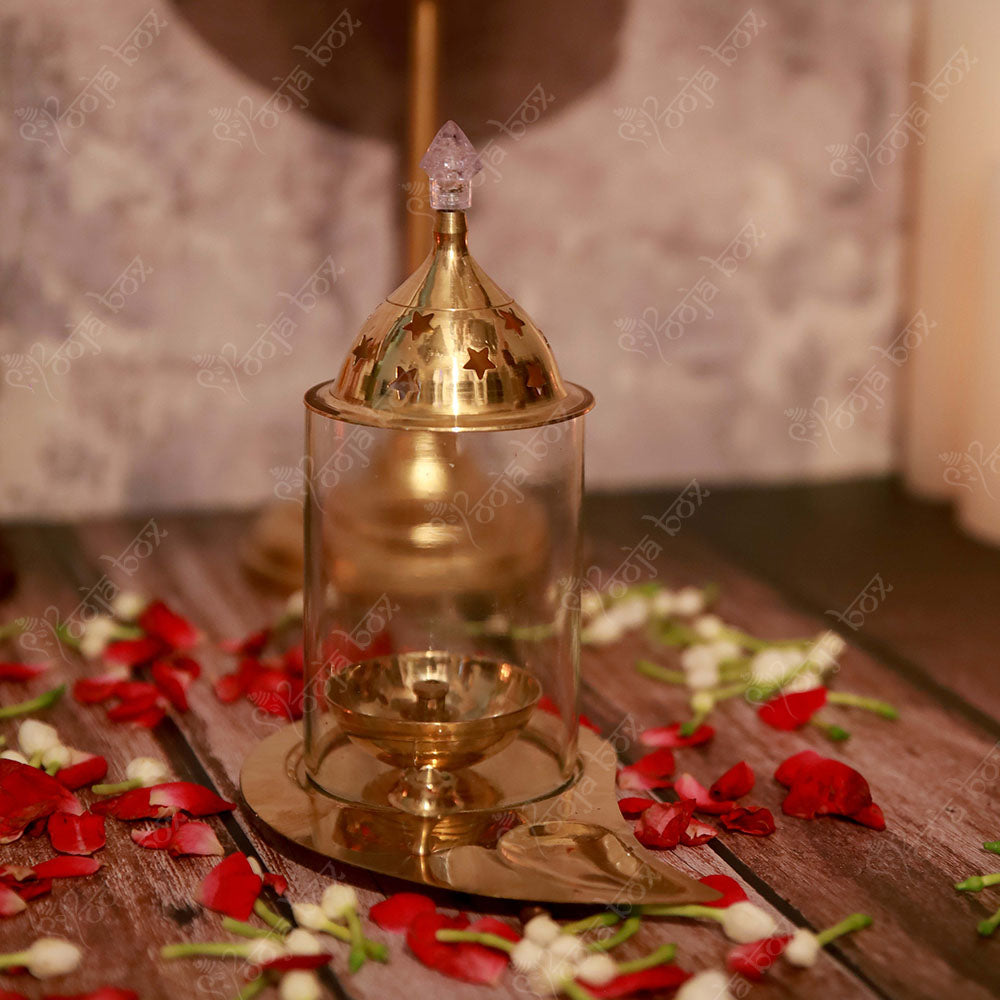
572 848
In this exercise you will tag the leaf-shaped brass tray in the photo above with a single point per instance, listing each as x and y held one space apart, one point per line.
572 848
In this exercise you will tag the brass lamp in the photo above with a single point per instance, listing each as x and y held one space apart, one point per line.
445 473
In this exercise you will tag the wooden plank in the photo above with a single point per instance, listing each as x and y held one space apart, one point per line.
926 770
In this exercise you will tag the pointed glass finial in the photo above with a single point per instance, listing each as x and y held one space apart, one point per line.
451 162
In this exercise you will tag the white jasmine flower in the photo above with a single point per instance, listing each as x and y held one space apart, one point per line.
51 957
264 950
825 650
630 612
702 703
804 681
726 649
663 603
56 758
36 737
13 755
147 770
526 955
689 601
542 929
708 626
597 970
744 922
301 942
704 676
338 899
602 630
295 605
128 605
709 985
567 946
803 948
699 657
768 667
255 866
591 603
97 633
299 985
549 977
310 916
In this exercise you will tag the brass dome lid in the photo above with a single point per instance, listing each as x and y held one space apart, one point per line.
449 349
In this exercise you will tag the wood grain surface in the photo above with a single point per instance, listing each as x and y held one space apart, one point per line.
934 771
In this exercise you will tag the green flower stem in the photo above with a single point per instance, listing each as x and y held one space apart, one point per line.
627 929
46 700
575 991
12 629
13 958
665 674
253 988
476 937
670 633
976 882
992 845
692 910
728 691
244 929
373 949
35 760
280 924
882 708
665 953
52 769
989 925
63 635
855 922
216 949
357 956
3 741
606 919
833 732
117 787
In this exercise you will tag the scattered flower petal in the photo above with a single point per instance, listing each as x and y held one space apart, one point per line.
173 682
464 960
697 833
792 711
660 977
688 787
15 671
754 820
196 800
754 959
231 887
87 771
26 795
132 652
11 903
648 772
159 621
670 736
67 867
398 911
634 806
821 786
735 783
662 824
789 769
81 834
732 891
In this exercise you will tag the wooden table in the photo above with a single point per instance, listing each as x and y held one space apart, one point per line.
783 559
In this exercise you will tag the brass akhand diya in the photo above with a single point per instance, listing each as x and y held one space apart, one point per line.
445 472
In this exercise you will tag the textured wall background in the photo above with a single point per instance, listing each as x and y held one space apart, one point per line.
604 208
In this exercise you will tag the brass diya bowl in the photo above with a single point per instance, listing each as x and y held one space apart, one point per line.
430 713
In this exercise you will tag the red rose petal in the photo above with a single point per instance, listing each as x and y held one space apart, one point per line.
160 622
788 769
228 688
172 682
28 794
661 825
871 815
634 806
277 882
31 890
588 723
697 833
104 993
196 800
277 693
670 736
157 839
754 820
82 834
660 977
15 671
133 804
10 995
67 867
648 772
732 891
293 660
91 690
754 959
688 787
397 912
88 771
826 786
132 652
735 783
285 963
250 645
472 963
10 874
194 838
11 903
231 887
792 711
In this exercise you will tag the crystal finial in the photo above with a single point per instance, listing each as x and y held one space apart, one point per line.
451 162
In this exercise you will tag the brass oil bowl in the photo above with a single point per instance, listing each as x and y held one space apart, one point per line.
431 713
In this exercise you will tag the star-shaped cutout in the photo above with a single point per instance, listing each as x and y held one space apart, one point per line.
420 324
479 361
364 350
535 376
405 381
511 322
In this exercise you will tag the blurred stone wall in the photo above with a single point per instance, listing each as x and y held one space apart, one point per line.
684 214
